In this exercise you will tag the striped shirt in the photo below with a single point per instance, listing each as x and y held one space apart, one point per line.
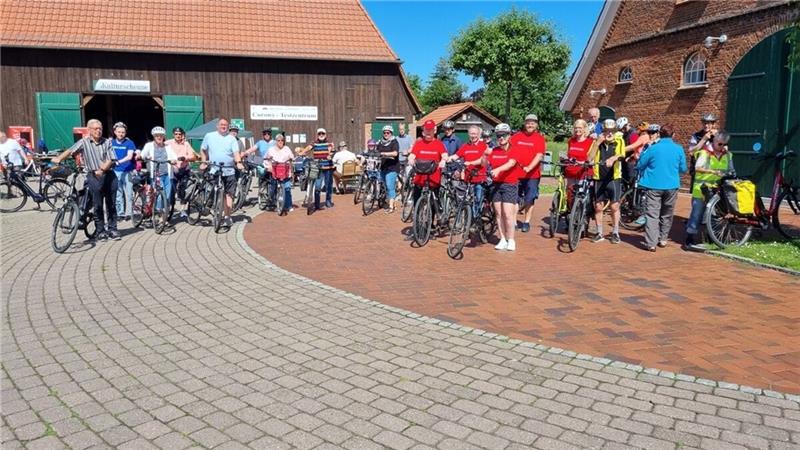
321 152
93 154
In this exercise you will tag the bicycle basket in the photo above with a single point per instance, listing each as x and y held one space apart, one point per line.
740 196
424 166
60 172
373 163
313 170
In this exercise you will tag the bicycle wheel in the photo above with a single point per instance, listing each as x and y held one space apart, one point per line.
89 228
310 197
629 213
280 198
487 224
194 210
12 197
786 217
370 197
160 212
218 209
55 192
459 233
263 195
65 226
577 222
359 189
724 228
138 208
555 213
408 202
423 220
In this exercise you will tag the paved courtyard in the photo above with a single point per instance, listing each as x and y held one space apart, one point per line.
193 340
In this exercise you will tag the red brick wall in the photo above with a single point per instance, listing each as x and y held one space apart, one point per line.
657 62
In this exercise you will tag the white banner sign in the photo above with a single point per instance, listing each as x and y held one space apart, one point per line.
106 85
278 112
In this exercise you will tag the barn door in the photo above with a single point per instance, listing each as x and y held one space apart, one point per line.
58 113
185 111
760 115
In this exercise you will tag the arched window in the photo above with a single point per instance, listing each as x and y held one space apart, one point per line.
694 71
625 75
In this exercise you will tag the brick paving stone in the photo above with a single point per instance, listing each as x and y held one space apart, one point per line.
304 365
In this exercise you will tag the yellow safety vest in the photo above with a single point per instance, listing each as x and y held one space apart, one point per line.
712 163
618 151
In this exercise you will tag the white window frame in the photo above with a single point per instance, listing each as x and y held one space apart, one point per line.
695 70
625 70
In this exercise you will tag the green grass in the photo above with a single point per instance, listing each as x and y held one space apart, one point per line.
557 147
777 253
547 188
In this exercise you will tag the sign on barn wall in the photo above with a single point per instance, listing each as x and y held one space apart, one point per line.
278 112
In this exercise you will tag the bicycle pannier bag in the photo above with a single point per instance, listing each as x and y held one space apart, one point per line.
313 170
425 166
741 196
280 171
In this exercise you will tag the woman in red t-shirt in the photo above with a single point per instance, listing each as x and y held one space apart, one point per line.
578 149
473 153
431 151
505 193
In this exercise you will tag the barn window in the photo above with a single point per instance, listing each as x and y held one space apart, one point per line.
694 71
625 75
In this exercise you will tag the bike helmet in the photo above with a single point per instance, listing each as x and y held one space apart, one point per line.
709 118
609 124
233 128
388 128
621 122
486 133
502 128
158 130
371 143
449 124
654 128
642 126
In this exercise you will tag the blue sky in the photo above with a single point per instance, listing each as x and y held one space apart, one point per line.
420 31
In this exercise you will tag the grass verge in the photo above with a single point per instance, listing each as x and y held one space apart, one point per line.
777 253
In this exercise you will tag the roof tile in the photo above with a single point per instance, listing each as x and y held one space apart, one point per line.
309 29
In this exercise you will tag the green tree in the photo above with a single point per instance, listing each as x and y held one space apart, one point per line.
443 87
415 82
538 96
513 48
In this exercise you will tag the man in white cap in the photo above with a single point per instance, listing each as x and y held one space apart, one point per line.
322 151
531 144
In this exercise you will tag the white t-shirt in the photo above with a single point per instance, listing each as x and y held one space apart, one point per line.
12 151
342 157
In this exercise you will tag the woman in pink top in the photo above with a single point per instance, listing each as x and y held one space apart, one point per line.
280 154
185 154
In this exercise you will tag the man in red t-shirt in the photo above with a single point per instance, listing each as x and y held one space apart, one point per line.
473 153
425 152
532 146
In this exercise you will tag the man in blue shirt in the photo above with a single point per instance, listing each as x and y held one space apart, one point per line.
124 149
660 168
220 147
451 142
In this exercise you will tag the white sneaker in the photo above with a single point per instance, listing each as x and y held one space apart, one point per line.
512 245
502 245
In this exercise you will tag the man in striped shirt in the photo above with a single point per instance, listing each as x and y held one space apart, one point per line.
322 151
98 158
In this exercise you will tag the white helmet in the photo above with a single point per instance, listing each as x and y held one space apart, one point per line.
502 128
621 122
388 128
158 130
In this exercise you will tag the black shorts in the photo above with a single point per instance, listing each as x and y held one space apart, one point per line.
505 193
230 184
608 190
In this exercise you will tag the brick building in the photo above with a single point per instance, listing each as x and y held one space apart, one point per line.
670 61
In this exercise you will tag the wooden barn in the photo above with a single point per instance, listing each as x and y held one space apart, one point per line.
296 66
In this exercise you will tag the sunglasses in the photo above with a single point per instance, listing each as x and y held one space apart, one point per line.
177 133
501 136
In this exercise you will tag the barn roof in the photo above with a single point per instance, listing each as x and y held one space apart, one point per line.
447 112
307 29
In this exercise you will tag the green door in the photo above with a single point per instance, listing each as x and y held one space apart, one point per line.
377 129
58 113
762 112
185 111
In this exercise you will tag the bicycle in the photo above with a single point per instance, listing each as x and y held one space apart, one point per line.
560 205
405 196
265 195
374 189
150 201
75 213
463 214
243 184
427 203
632 207
276 187
14 190
363 179
209 197
312 174
726 227
581 211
